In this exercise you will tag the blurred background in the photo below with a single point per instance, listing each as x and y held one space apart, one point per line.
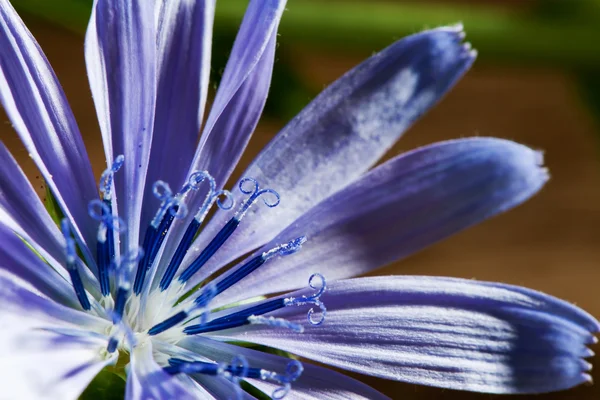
537 81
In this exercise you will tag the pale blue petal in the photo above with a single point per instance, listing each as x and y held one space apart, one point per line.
147 380
238 104
184 35
399 208
24 300
17 258
38 359
40 114
19 199
45 365
120 52
451 333
243 91
343 132
23 213
315 383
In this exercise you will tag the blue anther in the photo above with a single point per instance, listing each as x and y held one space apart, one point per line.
71 261
101 210
179 254
107 177
229 227
124 272
120 301
192 230
314 299
177 365
113 342
234 277
210 250
239 369
235 319
240 273
209 290
174 203
168 323
153 240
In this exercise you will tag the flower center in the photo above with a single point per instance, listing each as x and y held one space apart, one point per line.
140 311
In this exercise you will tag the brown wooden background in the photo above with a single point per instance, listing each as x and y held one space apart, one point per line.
549 244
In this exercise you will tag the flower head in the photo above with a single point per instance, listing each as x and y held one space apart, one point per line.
136 274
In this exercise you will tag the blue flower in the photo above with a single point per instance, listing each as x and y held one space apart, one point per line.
112 284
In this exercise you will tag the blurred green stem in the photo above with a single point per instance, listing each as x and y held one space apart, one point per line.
498 34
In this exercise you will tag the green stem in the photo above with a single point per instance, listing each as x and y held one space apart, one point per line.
498 34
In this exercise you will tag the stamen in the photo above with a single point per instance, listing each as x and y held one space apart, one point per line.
235 319
107 177
211 198
237 275
314 299
113 342
101 211
171 207
242 317
239 369
124 274
71 258
122 331
152 242
181 316
230 226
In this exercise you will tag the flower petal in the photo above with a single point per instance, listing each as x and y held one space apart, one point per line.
20 260
19 199
452 333
343 132
399 208
243 91
315 382
22 212
218 387
37 357
39 364
184 35
22 300
39 112
147 380
237 107
120 53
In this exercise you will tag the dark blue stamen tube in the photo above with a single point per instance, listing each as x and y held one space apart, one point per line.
78 286
120 304
112 345
232 279
236 319
182 249
105 252
210 250
177 365
168 323
152 241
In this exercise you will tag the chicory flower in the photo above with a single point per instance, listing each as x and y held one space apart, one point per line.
112 283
